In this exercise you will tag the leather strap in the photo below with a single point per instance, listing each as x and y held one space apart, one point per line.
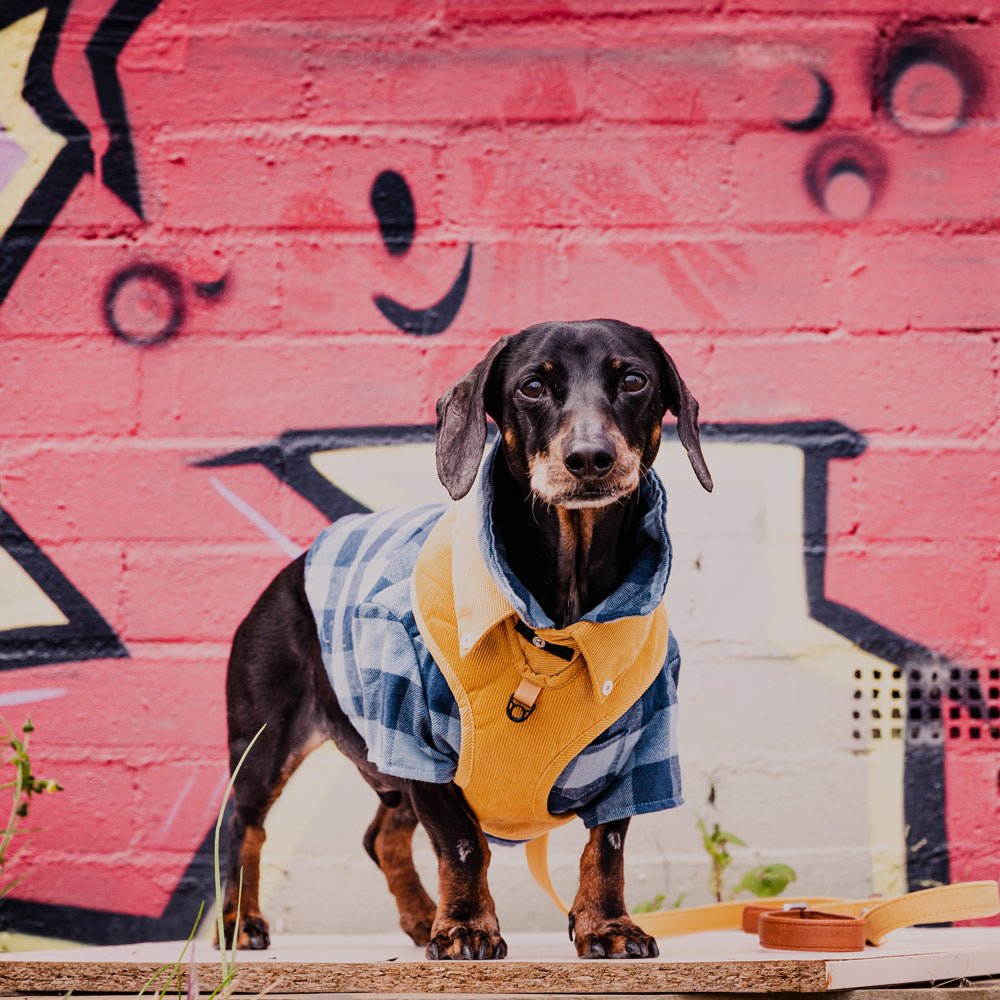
521 703
804 929
876 917
961 901
563 652
752 912
832 928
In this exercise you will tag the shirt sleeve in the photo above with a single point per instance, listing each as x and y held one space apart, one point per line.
632 767
400 725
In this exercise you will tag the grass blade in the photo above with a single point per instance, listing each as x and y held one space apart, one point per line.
175 966
227 962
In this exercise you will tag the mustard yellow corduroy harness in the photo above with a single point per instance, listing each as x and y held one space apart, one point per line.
507 768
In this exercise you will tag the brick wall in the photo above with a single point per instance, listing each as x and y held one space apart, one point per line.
222 224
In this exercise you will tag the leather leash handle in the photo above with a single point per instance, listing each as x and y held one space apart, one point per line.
961 901
663 923
813 930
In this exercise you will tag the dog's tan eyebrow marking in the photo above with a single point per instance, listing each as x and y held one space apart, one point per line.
617 362
547 366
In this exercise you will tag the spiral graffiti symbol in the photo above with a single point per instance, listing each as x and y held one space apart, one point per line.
144 304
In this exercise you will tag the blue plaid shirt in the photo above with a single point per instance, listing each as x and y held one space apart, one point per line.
358 579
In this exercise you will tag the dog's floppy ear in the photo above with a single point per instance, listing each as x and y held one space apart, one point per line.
684 406
461 426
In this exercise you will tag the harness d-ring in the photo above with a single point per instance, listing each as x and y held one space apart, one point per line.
522 702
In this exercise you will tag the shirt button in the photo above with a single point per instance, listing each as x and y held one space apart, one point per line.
607 687
466 641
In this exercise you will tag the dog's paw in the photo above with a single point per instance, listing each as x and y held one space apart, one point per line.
611 939
466 944
253 934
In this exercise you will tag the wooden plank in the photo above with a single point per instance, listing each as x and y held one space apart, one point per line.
717 962
435 977
984 991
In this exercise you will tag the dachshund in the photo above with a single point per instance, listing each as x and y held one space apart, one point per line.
579 407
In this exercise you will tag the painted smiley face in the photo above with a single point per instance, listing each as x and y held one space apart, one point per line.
392 203
144 303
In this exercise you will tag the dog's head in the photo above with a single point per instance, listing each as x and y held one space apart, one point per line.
579 407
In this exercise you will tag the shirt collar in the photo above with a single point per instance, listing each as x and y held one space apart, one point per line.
487 592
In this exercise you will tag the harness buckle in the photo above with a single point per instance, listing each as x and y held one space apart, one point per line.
517 711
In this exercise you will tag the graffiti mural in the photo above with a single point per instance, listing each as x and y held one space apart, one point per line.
47 149
243 250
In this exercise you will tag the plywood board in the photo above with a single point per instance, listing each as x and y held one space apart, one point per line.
976 991
717 962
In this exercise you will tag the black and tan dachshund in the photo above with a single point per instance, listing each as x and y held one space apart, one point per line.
579 407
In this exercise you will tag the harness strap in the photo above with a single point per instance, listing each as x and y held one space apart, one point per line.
563 652
961 901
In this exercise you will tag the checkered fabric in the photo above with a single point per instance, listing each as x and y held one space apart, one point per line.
358 580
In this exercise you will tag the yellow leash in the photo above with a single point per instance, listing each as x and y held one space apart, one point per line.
961 901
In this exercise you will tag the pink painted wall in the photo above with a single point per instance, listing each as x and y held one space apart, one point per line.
801 197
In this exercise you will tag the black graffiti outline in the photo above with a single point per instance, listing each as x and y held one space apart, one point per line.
76 158
118 167
172 288
392 202
288 459
71 163
928 858
434 319
846 153
926 43
821 109
86 635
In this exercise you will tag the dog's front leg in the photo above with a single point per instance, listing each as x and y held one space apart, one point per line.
598 920
466 925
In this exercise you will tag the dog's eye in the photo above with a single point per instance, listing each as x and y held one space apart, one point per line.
633 382
532 388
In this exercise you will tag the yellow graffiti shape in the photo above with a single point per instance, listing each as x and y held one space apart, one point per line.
27 147
23 604
366 475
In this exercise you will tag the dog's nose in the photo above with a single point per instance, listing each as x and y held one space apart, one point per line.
589 459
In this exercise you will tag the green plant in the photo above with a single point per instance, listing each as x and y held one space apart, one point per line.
22 787
762 881
656 903
170 977
767 880
716 843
